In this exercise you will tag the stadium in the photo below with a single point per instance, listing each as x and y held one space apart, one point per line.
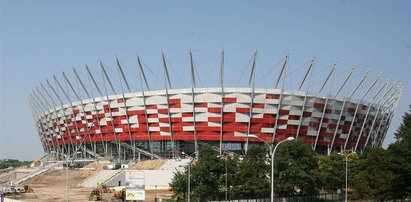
87 115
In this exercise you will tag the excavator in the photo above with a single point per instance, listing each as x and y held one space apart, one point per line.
121 195
34 163
26 189
95 194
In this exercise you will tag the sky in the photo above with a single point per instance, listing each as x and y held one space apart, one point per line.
41 38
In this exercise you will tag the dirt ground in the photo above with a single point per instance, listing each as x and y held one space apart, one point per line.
148 165
51 186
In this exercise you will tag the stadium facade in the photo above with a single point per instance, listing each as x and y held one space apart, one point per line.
162 123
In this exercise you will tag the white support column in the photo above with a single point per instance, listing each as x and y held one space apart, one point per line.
51 114
356 110
91 77
306 74
37 114
385 99
167 80
384 118
125 106
141 74
343 106
321 123
393 109
64 116
222 100
280 76
55 114
46 113
71 106
94 106
82 109
325 105
251 84
369 106
43 108
193 86
105 77
388 112
305 96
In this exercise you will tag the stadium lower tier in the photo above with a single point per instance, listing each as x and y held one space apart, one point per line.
158 120
124 151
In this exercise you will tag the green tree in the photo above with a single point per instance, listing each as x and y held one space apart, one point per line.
331 172
6 163
206 182
232 165
401 149
179 185
207 175
253 175
403 133
296 169
375 178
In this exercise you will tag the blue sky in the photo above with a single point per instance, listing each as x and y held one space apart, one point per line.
41 38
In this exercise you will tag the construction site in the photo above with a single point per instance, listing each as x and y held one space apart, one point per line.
87 180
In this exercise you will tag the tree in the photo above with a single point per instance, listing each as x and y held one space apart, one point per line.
253 179
207 175
376 177
403 133
331 172
206 182
179 185
232 165
386 174
296 169
401 149
5 163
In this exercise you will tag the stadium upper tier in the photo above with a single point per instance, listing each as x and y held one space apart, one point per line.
157 122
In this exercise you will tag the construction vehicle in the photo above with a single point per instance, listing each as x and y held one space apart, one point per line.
34 163
10 191
26 189
104 189
121 195
95 195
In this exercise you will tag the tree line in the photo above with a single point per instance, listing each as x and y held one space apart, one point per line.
374 174
6 163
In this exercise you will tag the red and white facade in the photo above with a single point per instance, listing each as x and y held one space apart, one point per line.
154 122
274 114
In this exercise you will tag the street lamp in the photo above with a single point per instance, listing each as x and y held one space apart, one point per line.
189 175
225 157
272 153
226 181
346 172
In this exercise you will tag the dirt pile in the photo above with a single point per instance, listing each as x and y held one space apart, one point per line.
148 165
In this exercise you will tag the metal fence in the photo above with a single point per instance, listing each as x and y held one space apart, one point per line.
318 197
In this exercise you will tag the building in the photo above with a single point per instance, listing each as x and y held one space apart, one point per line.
166 122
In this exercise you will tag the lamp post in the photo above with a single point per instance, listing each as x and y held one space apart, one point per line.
346 172
225 157
272 153
189 176
226 181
